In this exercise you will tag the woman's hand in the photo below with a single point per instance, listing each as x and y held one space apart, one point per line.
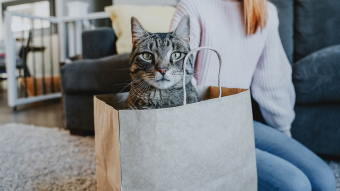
287 132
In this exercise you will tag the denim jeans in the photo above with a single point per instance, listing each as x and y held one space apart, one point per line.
285 164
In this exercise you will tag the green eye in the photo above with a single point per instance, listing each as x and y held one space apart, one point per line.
146 56
176 56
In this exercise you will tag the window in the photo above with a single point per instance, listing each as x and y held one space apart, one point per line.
43 8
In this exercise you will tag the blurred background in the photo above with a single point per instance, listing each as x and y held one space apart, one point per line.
55 55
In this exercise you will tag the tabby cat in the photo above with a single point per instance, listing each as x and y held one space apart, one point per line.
157 67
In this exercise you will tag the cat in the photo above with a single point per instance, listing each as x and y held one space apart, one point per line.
156 67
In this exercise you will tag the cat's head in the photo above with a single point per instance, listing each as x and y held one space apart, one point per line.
157 58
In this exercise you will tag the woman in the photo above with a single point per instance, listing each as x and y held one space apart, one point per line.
246 34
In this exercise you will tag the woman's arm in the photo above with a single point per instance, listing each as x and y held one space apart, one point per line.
272 85
187 7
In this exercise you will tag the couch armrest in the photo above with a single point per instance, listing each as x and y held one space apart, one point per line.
96 76
317 77
98 43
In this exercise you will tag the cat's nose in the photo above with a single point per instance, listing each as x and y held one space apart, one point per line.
162 71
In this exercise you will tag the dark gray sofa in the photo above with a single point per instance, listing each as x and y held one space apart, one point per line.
310 33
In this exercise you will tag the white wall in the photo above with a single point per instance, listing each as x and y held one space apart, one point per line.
28 9
2 27
94 5
148 2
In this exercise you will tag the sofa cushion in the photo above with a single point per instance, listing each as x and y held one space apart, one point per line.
98 43
153 18
317 127
96 76
285 11
317 25
317 76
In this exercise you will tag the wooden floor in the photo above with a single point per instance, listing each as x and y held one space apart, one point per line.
46 114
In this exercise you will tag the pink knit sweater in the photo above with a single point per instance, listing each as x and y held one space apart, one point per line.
257 61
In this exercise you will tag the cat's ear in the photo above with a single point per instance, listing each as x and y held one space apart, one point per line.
182 30
137 30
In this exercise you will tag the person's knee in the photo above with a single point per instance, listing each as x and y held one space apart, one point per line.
293 183
291 179
275 173
300 185
298 182
325 180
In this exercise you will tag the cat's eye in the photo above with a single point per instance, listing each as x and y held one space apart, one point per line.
176 56
146 56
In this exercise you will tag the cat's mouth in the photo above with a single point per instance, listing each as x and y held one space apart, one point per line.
163 80
162 83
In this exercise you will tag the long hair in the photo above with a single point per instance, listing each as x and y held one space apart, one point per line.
255 15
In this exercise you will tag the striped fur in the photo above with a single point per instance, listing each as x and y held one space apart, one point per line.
157 67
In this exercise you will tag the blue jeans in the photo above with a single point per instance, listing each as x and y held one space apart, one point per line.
285 164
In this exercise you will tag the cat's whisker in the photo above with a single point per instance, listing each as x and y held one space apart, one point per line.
126 86
139 92
139 85
146 89
154 93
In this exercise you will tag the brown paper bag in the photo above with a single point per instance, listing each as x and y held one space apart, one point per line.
208 145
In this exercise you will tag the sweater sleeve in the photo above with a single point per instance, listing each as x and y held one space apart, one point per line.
187 7
272 85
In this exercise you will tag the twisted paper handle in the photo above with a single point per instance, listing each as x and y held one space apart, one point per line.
192 52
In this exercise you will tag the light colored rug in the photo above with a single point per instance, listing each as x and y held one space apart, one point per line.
43 159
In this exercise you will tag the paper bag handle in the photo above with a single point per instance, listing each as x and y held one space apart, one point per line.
192 52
